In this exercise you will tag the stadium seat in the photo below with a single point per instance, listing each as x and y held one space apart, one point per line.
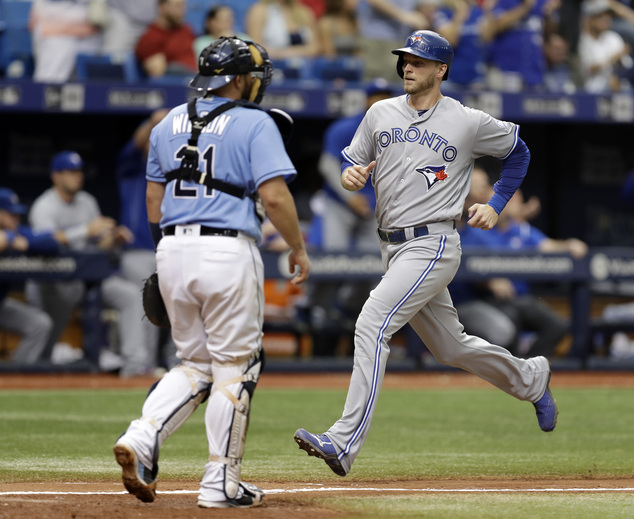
293 68
15 46
108 67
344 67
15 13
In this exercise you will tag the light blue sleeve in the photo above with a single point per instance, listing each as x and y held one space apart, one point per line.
153 171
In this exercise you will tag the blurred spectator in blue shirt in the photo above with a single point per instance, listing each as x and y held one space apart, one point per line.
559 76
511 296
517 56
345 222
138 259
30 323
469 28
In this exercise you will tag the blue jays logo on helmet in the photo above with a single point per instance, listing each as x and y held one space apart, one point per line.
428 45
433 174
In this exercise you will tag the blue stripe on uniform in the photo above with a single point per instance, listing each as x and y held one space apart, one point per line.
515 139
379 340
347 158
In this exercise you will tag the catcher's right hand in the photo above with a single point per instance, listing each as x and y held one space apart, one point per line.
153 303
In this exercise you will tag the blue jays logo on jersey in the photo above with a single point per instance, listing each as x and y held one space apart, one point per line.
433 174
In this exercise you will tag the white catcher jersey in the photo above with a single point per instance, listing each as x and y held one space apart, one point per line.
424 162
241 146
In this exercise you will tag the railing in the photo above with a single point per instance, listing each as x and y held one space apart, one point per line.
304 98
576 275
601 264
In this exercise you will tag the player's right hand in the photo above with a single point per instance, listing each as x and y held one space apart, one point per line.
355 177
299 258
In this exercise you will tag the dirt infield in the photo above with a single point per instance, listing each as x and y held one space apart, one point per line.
176 499
418 380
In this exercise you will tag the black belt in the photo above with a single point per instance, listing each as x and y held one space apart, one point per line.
398 235
170 230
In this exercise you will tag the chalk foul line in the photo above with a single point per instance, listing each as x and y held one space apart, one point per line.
273 491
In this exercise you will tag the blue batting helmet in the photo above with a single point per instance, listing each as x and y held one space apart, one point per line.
428 45
228 57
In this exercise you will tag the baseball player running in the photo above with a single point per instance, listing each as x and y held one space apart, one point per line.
205 222
420 150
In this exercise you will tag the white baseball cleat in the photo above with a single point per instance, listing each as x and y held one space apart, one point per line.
251 496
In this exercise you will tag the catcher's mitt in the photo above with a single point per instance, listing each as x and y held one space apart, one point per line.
153 303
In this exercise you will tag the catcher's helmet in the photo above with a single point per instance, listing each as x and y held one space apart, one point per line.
428 45
228 57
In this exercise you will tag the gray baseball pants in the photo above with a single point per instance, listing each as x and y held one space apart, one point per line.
414 290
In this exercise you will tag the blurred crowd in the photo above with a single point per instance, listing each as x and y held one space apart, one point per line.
508 45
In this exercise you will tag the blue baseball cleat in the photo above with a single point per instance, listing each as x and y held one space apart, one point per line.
547 411
320 446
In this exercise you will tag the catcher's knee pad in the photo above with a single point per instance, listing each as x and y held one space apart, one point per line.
240 422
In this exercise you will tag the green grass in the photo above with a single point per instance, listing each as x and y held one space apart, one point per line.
502 506
67 435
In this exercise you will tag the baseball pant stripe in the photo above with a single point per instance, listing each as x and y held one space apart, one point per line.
377 358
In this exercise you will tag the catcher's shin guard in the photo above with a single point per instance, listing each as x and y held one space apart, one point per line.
168 405
240 423
200 389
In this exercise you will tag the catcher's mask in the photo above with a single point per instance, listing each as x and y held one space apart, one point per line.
228 57
428 45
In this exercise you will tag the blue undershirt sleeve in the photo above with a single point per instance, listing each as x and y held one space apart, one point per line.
514 169
345 164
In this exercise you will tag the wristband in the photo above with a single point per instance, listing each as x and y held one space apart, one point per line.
155 231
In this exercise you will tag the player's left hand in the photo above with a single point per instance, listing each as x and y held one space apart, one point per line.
482 216
299 259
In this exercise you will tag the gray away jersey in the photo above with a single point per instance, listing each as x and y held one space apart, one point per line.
424 163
